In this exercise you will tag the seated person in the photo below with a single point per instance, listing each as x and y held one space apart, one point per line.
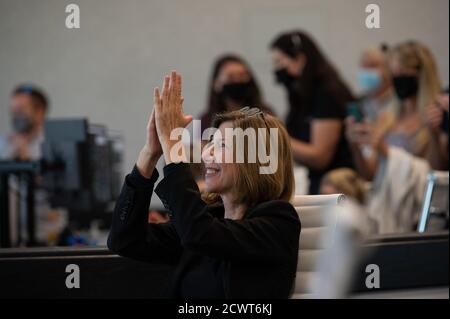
347 181
28 110
241 239
416 84
344 181
375 80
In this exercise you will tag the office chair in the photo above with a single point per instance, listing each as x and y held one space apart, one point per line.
317 220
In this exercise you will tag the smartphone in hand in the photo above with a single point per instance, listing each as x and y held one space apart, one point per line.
354 110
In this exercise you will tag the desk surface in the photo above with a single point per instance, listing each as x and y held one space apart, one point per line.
413 266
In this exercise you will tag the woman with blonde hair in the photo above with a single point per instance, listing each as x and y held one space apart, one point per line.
416 84
344 181
242 240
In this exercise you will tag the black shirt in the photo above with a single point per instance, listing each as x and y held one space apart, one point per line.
320 105
203 280
215 257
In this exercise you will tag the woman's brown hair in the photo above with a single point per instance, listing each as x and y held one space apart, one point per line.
252 187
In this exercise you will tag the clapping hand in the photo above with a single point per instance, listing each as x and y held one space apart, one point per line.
169 116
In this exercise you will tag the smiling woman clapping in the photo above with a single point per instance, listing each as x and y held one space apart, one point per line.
240 240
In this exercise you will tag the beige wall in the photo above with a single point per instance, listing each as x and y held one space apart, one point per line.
106 70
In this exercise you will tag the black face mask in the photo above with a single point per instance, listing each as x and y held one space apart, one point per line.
236 91
405 86
21 123
283 77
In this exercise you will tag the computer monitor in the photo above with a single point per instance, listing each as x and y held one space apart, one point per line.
79 165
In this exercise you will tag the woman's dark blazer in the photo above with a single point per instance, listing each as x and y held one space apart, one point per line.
258 253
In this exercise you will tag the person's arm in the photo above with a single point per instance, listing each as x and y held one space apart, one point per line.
437 151
365 166
170 119
272 235
318 154
359 135
131 235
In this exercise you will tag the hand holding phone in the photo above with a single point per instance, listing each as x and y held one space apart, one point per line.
354 110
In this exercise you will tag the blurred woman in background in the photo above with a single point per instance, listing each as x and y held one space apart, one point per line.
232 86
416 84
348 182
374 78
344 181
317 105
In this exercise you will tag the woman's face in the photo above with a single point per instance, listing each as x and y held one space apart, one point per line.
219 176
231 72
373 61
293 66
404 79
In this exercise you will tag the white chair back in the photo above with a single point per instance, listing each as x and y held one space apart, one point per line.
317 221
